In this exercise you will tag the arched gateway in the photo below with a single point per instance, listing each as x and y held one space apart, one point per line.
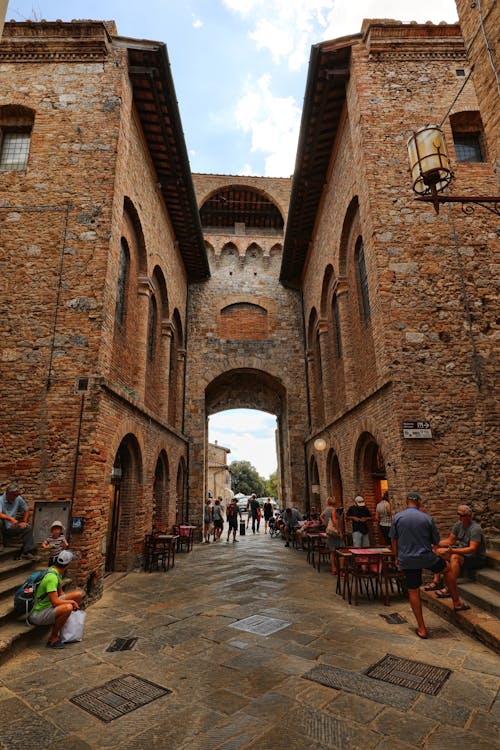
244 344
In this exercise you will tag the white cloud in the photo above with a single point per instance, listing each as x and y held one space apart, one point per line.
249 434
197 23
273 123
288 28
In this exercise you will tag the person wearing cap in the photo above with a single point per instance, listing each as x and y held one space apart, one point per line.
359 514
12 504
56 542
414 539
52 606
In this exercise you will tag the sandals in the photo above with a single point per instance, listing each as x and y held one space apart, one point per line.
432 587
462 608
443 594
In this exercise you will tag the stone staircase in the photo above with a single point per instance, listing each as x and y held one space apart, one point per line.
483 594
14 631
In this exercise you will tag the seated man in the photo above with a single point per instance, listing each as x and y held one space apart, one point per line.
12 505
52 607
464 547
291 520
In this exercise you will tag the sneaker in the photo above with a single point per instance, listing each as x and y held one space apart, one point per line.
29 556
55 644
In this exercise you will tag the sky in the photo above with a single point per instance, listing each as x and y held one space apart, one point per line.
239 69
239 66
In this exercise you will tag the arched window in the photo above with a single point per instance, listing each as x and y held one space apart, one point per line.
337 340
121 284
363 279
152 328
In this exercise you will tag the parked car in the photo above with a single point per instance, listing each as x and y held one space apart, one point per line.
243 503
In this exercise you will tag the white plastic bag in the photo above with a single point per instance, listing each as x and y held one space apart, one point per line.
72 630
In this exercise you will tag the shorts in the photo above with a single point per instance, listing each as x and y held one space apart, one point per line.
233 525
473 562
45 616
218 524
414 577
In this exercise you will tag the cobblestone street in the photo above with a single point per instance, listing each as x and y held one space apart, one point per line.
237 689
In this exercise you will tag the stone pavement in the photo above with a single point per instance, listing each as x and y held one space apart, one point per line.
235 689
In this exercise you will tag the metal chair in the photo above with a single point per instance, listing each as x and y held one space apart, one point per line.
364 572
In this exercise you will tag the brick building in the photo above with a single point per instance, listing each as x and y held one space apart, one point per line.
399 302
218 474
142 299
100 236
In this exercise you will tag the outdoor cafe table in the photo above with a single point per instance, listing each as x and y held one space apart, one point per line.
356 563
169 545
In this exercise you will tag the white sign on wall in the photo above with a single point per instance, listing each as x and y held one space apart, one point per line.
417 429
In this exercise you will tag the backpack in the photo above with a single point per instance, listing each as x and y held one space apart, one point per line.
24 596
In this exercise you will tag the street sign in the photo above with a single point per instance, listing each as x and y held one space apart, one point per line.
420 429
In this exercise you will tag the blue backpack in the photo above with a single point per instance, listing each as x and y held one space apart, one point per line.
24 597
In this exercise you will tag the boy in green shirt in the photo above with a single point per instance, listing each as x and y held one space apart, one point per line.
52 607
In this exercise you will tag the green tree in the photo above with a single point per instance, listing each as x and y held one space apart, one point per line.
271 484
246 479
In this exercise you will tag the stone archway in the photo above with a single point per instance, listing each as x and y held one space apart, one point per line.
248 388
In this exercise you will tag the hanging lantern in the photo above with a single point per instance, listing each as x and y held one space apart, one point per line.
429 163
320 444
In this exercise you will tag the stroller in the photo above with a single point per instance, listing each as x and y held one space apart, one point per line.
274 526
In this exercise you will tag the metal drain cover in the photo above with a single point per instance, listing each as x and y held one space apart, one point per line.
260 625
394 619
122 644
417 675
119 697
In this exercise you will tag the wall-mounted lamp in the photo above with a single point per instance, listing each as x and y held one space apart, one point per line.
431 172
116 474
319 444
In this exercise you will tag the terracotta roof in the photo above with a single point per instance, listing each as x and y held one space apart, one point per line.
321 114
156 104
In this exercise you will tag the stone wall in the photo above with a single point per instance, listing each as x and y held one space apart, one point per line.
428 349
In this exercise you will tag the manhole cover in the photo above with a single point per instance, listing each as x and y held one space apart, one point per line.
358 684
122 644
260 625
119 697
416 675
394 619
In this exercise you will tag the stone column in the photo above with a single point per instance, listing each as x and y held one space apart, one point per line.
347 351
326 385
164 364
3 11
144 292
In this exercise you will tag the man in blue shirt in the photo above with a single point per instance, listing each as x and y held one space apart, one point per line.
11 505
414 539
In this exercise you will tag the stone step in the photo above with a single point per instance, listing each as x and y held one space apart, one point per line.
480 624
489 577
481 596
493 543
493 558
10 567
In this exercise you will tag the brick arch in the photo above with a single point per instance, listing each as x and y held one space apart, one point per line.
328 279
130 213
176 372
254 250
370 472
315 365
351 223
161 486
160 286
181 494
126 509
276 249
226 189
334 476
245 388
230 249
